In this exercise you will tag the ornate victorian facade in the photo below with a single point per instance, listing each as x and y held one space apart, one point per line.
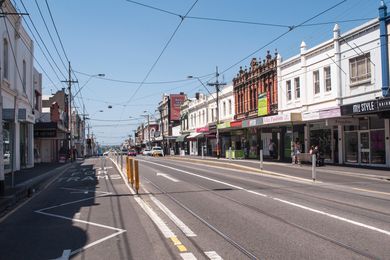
261 78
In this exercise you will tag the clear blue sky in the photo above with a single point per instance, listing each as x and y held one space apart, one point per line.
123 40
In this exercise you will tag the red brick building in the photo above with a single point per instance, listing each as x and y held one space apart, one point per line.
248 84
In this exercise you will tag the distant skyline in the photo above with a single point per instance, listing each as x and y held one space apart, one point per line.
123 40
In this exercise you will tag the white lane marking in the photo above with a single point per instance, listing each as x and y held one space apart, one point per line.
335 216
165 230
187 256
183 227
119 231
251 170
213 255
65 255
167 176
283 201
372 191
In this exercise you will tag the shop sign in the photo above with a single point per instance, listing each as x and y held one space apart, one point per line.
366 107
307 116
176 100
212 127
342 121
224 125
45 133
290 117
236 124
384 104
277 118
252 122
329 113
262 105
237 133
202 129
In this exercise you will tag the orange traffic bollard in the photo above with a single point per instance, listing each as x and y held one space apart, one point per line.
136 175
128 168
131 168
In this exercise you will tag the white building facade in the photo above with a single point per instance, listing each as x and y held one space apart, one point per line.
16 48
323 83
202 116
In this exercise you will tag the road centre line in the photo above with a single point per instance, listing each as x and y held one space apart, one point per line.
281 200
167 176
268 174
309 182
372 191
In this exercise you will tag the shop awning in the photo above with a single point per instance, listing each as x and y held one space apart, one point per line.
195 136
181 138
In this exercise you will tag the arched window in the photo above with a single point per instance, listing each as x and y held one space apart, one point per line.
5 59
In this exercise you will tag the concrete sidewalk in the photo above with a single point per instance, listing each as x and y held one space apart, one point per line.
378 173
26 182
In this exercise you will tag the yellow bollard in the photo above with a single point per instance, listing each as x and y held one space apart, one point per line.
131 168
136 175
128 168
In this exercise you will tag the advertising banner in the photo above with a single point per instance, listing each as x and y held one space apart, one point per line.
176 100
262 104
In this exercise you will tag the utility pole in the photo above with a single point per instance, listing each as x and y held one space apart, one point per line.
149 133
70 81
217 89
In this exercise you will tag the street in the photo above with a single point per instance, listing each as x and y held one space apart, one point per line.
193 210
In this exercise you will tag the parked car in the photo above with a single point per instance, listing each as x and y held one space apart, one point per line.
157 151
132 153
106 153
124 151
147 152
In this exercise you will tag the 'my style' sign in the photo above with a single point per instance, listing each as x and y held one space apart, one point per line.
366 107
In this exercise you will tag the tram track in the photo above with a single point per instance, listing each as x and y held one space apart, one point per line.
261 213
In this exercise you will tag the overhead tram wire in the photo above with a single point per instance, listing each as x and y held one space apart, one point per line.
283 34
139 82
162 51
43 42
39 45
56 30
15 60
50 36
32 54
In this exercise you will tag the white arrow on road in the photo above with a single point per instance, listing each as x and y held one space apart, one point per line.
167 176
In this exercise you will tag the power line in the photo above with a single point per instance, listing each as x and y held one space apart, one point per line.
162 51
55 28
238 21
43 42
155 8
39 45
139 82
15 60
29 50
48 31
283 34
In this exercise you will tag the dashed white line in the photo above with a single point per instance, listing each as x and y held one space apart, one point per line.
187 256
213 255
183 227
353 222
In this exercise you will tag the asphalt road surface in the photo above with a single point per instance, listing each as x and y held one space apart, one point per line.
196 210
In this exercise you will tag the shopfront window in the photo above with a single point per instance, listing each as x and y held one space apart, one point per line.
323 139
351 147
378 151
7 145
